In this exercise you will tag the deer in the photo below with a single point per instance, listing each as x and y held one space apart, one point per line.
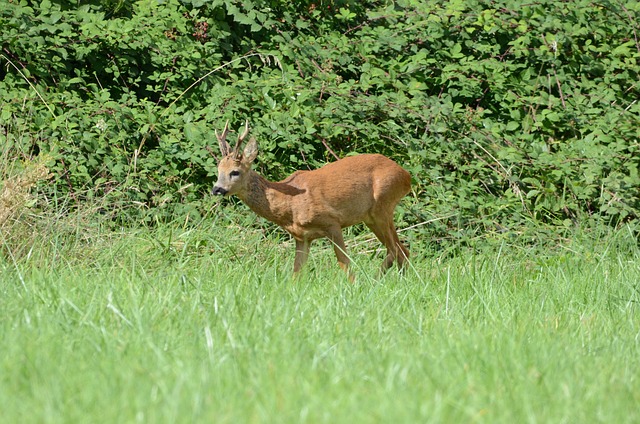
313 204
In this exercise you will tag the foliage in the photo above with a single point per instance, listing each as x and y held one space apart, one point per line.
506 112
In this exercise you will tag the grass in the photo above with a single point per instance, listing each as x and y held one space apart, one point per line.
204 324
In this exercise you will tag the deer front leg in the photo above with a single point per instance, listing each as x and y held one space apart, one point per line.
302 254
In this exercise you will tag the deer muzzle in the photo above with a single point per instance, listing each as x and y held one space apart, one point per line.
218 191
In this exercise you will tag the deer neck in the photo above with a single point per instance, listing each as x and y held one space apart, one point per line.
268 199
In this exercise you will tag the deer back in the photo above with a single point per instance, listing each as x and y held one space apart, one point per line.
350 190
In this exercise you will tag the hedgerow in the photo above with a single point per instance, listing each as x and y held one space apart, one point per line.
507 113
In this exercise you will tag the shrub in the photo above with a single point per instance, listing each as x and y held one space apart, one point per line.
506 113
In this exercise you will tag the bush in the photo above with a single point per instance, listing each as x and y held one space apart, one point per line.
506 113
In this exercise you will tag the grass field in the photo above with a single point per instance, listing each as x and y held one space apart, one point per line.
204 324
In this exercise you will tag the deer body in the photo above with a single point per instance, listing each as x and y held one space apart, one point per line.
320 203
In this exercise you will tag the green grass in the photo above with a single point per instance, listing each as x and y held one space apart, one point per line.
205 324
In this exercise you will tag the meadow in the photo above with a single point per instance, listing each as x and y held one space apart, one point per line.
202 322
126 296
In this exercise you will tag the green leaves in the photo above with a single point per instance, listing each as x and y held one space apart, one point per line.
505 113
345 14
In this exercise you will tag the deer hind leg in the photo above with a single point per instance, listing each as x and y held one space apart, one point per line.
401 253
385 231
335 235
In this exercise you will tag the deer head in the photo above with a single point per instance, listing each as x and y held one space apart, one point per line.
234 167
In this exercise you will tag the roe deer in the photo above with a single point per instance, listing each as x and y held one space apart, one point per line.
319 203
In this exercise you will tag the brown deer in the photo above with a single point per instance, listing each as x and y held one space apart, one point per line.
320 203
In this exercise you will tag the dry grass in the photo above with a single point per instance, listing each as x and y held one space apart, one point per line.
17 198
15 191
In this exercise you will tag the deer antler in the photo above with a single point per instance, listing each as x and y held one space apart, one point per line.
241 137
222 140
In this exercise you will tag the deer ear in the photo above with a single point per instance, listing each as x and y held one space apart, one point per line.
250 151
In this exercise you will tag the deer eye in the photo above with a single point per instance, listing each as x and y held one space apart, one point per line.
234 173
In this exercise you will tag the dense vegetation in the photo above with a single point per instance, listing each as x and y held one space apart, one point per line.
509 114
130 295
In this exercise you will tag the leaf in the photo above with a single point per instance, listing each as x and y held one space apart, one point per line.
512 126
192 132
345 14
456 51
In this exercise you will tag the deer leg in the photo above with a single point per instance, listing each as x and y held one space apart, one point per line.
388 236
339 248
302 254
382 236
401 252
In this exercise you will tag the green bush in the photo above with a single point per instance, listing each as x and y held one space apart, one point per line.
506 113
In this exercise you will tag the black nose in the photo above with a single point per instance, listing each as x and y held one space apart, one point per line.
218 191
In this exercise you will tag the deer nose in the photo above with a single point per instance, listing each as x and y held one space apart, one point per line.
218 191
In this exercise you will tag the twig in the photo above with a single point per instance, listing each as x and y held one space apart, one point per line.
202 78
564 105
198 81
635 33
30 84
324 142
